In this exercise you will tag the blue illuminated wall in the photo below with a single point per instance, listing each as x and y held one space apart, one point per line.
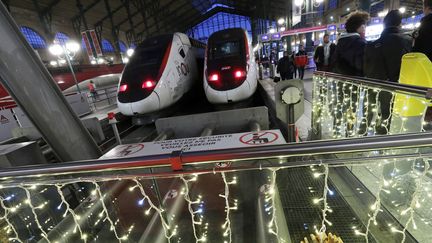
376 8
107 47
61 38
123 47
33 38
207 5
219 21
332 4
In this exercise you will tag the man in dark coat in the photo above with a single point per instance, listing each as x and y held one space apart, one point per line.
382 61
285 67
323 54
383 57
424 38
348 57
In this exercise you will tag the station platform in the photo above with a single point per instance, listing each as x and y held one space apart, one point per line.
101 113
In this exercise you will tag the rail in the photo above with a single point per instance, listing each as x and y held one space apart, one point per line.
346 106
114 200
414 140
391 86
287 191
104 97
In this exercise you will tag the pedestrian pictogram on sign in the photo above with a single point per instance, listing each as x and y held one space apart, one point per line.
258 138
131 149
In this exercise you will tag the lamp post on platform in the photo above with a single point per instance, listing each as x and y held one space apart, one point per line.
68 50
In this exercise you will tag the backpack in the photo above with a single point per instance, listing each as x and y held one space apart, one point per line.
374 65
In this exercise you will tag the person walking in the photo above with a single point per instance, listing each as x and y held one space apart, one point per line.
294 66
92 88
323 54
383 57
348 56
423 37
382 60
301 61
285 67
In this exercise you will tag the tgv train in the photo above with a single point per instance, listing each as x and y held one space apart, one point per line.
161 70
230 73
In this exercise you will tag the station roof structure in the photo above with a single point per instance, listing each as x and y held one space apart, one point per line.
147 17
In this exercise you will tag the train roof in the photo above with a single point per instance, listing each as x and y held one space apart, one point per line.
227 34
156 40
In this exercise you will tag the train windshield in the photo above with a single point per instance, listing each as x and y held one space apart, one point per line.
149 53
146 64
225 49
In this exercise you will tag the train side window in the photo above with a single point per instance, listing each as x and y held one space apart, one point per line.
182 53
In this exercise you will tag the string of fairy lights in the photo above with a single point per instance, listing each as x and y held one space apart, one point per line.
226 226
375 207
270 198
166 227
199 225
415 199
69 210
346 109
197 219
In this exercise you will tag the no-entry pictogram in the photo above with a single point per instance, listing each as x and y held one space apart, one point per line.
259 138
131 149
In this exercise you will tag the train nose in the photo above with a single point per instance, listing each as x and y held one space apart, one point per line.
147 105
125 108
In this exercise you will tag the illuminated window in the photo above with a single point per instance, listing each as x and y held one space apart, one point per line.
332 4
320 10
123 47
206 6
376 8
33 38
107 47
219 21
61 38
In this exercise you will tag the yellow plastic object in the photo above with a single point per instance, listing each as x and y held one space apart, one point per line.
416 70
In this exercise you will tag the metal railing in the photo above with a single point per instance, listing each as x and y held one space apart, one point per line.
414 140
113 199
104 97
354 107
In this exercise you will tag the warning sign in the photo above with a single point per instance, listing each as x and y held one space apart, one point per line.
259 138
225 141
3 119
131 149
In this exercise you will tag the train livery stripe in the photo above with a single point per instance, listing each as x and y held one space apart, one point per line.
164 61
